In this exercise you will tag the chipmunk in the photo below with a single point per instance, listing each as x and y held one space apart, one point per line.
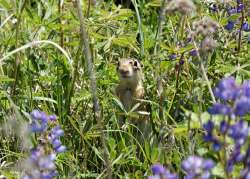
130 86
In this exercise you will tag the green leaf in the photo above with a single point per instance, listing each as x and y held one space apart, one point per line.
40 98
5 79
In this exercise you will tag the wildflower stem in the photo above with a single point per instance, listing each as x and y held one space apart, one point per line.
183 23
139 26
34 43
60 11
159 29
176 83
240 31
85 39
202 67
207 81
156 45
17 56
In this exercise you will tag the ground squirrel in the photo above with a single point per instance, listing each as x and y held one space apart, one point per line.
129 90
130 86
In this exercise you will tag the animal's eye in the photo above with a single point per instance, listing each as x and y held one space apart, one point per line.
131 62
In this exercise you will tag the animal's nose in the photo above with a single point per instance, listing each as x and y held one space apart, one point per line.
124 71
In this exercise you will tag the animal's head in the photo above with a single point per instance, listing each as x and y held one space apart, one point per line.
128 68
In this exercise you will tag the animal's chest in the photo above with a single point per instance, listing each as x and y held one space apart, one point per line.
127 99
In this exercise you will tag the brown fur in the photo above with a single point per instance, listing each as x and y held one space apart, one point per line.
130 87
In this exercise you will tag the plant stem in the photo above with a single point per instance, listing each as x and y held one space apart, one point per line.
139 27
60 10
241 28
204 74
17 57
70 92
207 81
159 29
176 83
34 44
159 78
88 56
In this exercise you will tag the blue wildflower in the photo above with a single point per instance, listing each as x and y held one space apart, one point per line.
231 11
42 165
160 171
209 137
240 7
227 89
39 121
54 136
245 87
195 166
229 26
242 106
223 126
235 157
209 126
193 52
52 117
42 158
218 108
172 56
239 132
245 26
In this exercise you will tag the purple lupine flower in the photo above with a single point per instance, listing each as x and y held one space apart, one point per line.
242 106
218 108
245 173
245 87
54 136
235 157
223 126
209 126
56 143
231 11
60 149
239 132
193 52
195 166
227 89
42 158
52 117
229 26
245 26
39 121
159 171
41 164
209 137
57 131
172 56
181 62
240 7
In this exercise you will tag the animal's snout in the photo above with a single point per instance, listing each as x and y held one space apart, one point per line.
124 72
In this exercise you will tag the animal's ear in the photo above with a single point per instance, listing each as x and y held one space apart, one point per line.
118 64
137 64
